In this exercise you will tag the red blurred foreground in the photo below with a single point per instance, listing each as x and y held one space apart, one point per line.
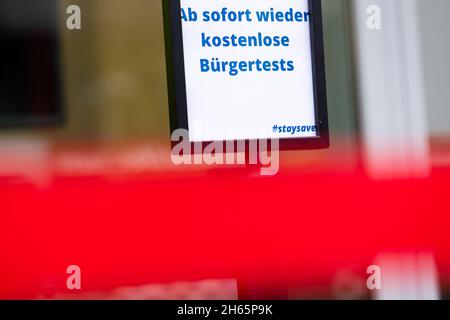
224 223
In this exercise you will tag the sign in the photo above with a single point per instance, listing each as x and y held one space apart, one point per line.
247 70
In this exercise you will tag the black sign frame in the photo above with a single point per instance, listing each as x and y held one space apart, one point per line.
176 78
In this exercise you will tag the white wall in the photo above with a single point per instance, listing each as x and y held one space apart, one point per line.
390 89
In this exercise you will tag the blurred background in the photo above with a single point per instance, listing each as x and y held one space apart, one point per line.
86 177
